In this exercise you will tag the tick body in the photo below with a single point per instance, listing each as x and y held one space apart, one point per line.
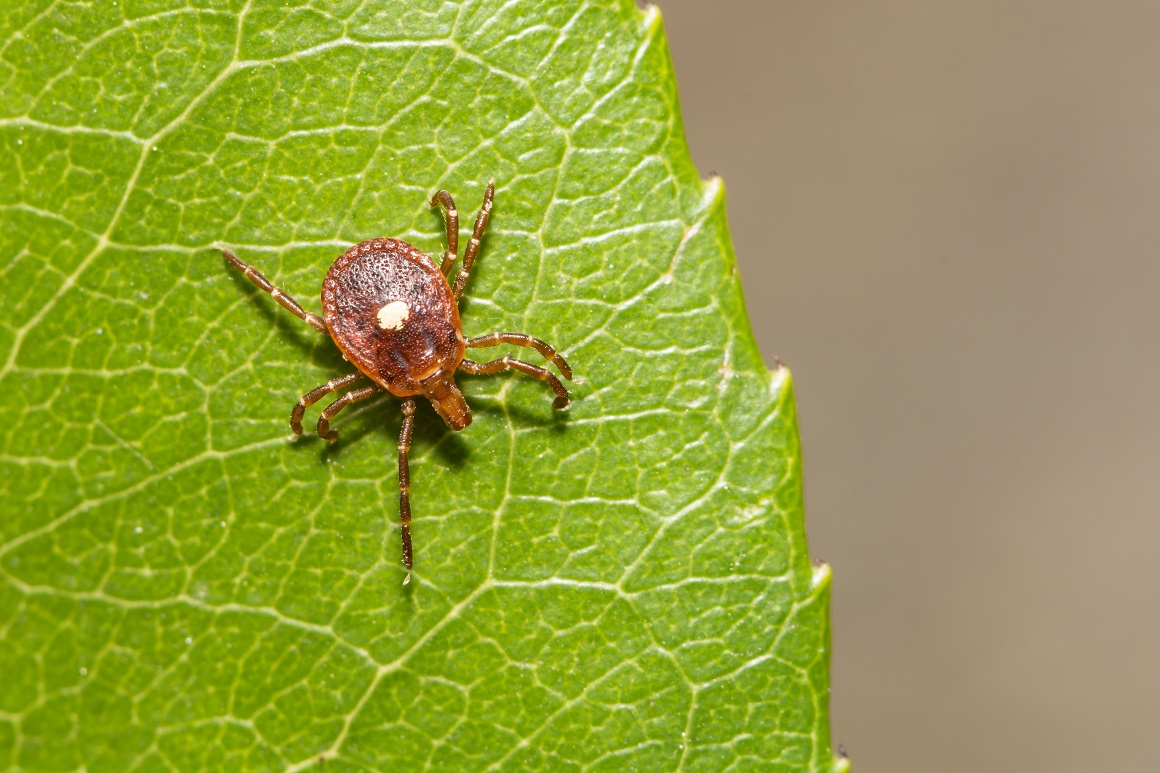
395 316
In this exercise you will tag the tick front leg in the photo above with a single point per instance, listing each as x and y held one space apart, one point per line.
314 395
328 413
279 294
508 363
525 340
405 481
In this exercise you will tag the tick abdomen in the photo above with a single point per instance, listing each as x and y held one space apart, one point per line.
392 314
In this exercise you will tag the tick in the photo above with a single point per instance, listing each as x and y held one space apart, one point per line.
394 314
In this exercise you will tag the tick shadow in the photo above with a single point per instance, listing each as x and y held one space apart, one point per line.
382 414
522 414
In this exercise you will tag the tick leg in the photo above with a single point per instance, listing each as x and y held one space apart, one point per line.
314 395
473 245
523 339
329 412
508 363
405 481
451 219
279 294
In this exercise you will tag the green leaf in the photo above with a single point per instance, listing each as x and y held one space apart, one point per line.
622 586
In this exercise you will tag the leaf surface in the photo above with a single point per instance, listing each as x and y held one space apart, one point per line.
625 586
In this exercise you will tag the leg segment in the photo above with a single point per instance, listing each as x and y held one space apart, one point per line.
523 339
329 412
451 219
405 481
508 363
314 395
473 245
279 294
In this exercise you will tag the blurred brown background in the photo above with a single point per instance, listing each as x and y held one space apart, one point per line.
947 217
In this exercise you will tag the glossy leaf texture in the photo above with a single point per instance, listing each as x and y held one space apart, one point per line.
623 586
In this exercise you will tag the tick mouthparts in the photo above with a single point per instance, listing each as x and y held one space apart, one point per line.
447 400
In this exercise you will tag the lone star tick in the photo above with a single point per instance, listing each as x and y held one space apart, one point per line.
395 316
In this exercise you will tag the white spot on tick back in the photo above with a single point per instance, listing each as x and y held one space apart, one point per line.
393 315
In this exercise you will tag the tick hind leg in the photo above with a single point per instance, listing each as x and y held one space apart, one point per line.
314 395
525 340
451 220
473 245
509 363
328 413
255 276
